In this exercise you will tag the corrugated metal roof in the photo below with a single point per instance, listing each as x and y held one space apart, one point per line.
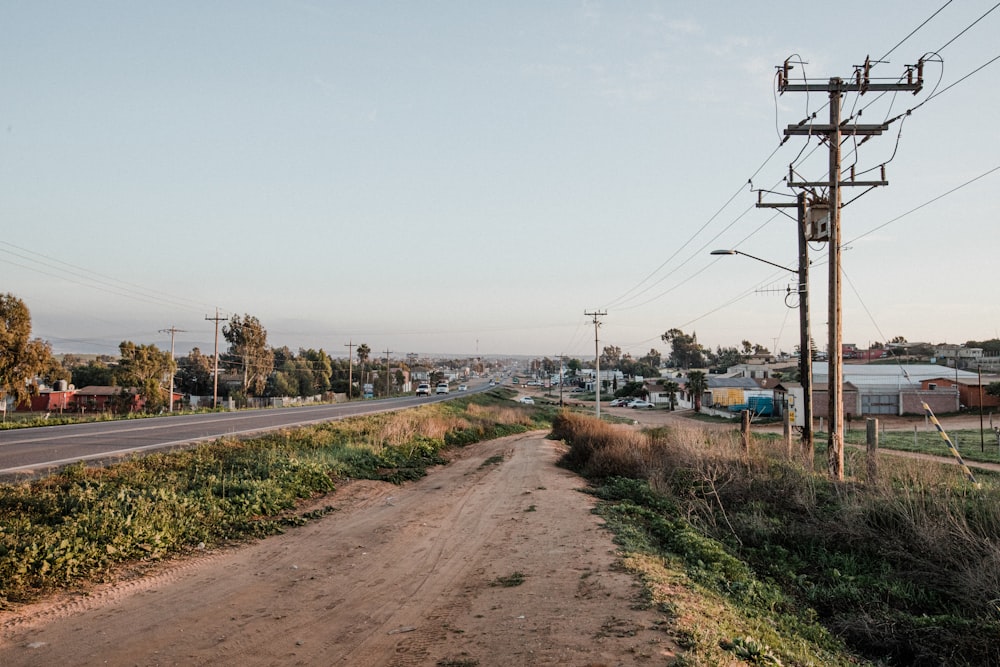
889 375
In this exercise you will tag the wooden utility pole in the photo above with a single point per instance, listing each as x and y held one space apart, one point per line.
172 331
387 386
350 367
832 134
597 358
805 335
215 373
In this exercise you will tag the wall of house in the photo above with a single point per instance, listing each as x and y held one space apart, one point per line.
939 400
821 403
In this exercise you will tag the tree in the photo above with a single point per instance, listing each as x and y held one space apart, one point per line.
95 373
993 389
611 356
697 385
194 373
363 353
248 348
671 388
726 357
144 367
22 358
685 350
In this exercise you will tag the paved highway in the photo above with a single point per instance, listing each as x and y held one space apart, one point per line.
28 452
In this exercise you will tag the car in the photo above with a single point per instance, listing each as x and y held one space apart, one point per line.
527 400
639 403
463 387
619 402
442 388
577 390
423 389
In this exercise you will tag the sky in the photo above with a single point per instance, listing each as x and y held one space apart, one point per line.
472 178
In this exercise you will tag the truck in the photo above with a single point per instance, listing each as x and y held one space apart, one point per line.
442 388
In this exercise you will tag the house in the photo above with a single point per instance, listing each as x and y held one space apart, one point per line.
971 392
890 389
97 398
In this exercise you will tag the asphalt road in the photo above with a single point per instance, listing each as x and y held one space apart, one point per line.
28 452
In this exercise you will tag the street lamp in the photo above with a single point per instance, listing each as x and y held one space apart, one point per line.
805 340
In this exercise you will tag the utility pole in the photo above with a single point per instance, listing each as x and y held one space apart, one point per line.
387 353
215 374
597 357
172 331
350 367
832 134
805 337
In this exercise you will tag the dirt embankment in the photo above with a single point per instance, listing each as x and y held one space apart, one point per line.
480 563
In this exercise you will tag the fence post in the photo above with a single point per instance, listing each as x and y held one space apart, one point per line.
871 426
745 430
786 430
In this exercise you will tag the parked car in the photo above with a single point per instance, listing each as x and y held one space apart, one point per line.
577 390
639 403
619 402
423 389
527 400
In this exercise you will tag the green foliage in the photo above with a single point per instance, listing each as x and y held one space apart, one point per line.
83 521
21 358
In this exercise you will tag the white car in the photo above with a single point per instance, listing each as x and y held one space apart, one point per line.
639 403
423 389
618 402
463 387
527 400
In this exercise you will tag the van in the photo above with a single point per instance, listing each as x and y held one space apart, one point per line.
442 388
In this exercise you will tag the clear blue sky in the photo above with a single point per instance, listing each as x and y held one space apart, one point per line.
457 177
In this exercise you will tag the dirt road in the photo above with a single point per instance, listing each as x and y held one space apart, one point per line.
480 563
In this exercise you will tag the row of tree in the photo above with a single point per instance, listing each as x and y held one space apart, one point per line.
248 367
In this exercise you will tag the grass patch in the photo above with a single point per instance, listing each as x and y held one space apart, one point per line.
511 580
755 557
492 461
82 522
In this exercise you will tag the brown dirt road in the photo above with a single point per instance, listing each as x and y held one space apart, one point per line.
399 575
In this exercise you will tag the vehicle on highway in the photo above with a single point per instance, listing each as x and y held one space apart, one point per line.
463 387
527 400
639 403
423 389
442 388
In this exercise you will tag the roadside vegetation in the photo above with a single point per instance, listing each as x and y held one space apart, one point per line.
82 522
754 558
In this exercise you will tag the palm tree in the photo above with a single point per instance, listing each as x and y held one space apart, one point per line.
671 388
697 385
363 353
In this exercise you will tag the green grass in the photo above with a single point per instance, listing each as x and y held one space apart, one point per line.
82 522
928 441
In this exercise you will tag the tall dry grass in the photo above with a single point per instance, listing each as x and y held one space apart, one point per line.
885 561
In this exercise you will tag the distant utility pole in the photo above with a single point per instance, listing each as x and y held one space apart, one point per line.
172 331
387 387
350 367
832 134
215 374
597 356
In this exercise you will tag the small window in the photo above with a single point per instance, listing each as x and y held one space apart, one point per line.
932 386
